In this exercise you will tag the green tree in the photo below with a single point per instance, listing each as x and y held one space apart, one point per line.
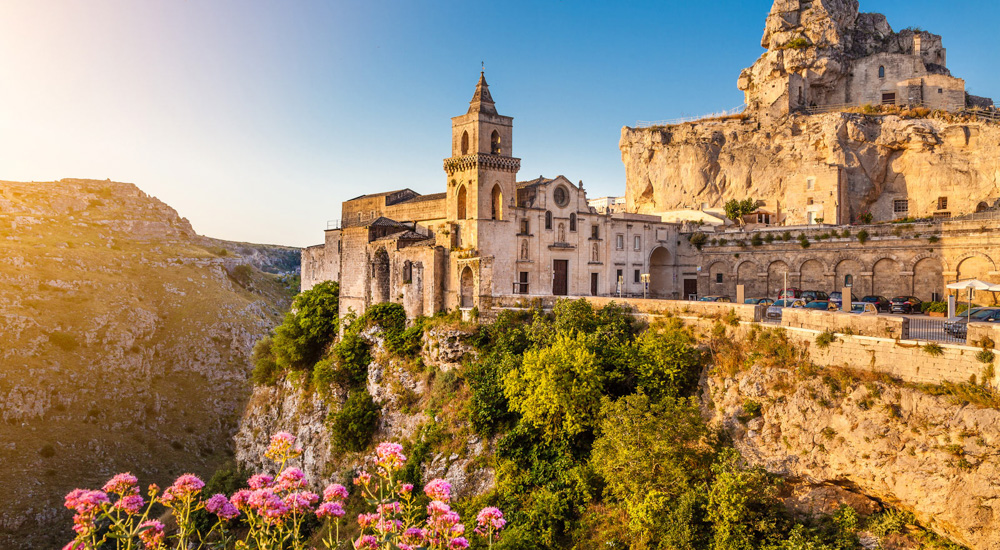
308 328
558 388
736 209
742 506
353 426
668 363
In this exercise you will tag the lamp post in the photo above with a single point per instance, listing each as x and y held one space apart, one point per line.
645 284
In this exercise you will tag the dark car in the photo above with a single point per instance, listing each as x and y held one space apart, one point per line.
813 295
836 298
822 305
905 304
759 301
881 303
984 315
715 299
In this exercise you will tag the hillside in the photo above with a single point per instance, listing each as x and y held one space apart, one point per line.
124 339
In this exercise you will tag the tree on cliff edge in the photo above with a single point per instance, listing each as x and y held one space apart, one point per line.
736 209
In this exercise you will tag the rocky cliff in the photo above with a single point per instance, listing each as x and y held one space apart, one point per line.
124 339
878 158
831 433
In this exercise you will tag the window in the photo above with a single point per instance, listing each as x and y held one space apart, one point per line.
810 183
407 272
548 220
560 196
495 143
636 242
619 279
524 226
572 222
942 203
620 242
881 72
809 200
940 90
461 203
496 203
901 206
718 277
522 282
595 231
465 143
635 278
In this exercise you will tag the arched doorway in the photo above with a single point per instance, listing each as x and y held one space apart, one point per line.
380 274
746 275
886 280
467 289
928 279
461 198
976 267
776 272
854 269
811 276
496 200
659 273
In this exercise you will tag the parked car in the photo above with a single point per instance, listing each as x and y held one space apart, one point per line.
759 301
823 305
836 298
774 310
905 304
812 295
950 322
790 293
985 315
881 303
864 308
725 299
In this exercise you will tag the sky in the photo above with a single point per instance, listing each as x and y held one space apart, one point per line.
255 119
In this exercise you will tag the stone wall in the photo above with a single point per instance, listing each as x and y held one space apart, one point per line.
885 326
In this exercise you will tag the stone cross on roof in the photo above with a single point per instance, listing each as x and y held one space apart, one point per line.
482 101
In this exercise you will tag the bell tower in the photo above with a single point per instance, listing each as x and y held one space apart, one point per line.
481 171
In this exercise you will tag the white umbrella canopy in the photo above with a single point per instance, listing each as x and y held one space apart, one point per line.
972 284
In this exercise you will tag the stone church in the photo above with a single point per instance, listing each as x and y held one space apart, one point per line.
489 236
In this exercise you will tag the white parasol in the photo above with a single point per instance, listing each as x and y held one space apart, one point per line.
972 285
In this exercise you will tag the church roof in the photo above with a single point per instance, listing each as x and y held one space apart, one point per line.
383 221
404 236
482 101
383 194
432 197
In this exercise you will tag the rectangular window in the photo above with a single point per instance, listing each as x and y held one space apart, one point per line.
636 277
595 231
942 203
810 183
524 226
718 277
809 201
619 278
901 206
637 242
522 285
620 242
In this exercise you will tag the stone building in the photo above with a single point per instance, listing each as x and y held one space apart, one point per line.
489 235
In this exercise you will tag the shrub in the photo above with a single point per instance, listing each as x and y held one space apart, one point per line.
265 368
751 410
933 349
698 239
933 239
756 240
242 275
803 240
786 236
985 356
863 236
825 338
306 330
769 238
354 425
846 234
796 44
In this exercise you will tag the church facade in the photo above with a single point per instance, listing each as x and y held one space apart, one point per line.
489 236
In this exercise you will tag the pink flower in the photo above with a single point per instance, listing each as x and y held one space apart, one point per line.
151 534
489 522
260 481
414 536
437 508
268 504
329 510
404 546
220 506
406 489
84 501
282 447
74 545
186 486
131 504
438 489
290 480
458 530
363 478
241 499
390 456
301 502
335 492
458 543
388 525
367 520
389 509
122 484
366 541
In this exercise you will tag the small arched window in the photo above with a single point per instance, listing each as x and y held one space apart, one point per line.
496 201
881 72
848 280
407 271
572 222
465 143
495 143
460 214
548 219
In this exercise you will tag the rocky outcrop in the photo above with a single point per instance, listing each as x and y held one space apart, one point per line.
877 158
124 346
900 446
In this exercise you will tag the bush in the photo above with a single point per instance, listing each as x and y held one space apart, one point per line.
698 240
796 44
265 368
825 338
933 349
803 240
300 339
863 236
756 240
354 425
751 410
985 356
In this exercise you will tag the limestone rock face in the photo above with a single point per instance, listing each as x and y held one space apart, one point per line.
880 159
900 446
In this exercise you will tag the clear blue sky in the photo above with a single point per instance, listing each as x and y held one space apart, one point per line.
255 119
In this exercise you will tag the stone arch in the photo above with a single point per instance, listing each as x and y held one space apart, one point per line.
467 286
850 266
495 146
380 274
747 274
659 272
776 271
465 143
928 277
811 275
496 202
886 278
920 257
969 255
462 198
975 265
717 268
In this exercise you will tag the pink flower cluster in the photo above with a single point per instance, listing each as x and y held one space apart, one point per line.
152 534
184 489
282 447
87 505
221 506
438 489
389 457
489 522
